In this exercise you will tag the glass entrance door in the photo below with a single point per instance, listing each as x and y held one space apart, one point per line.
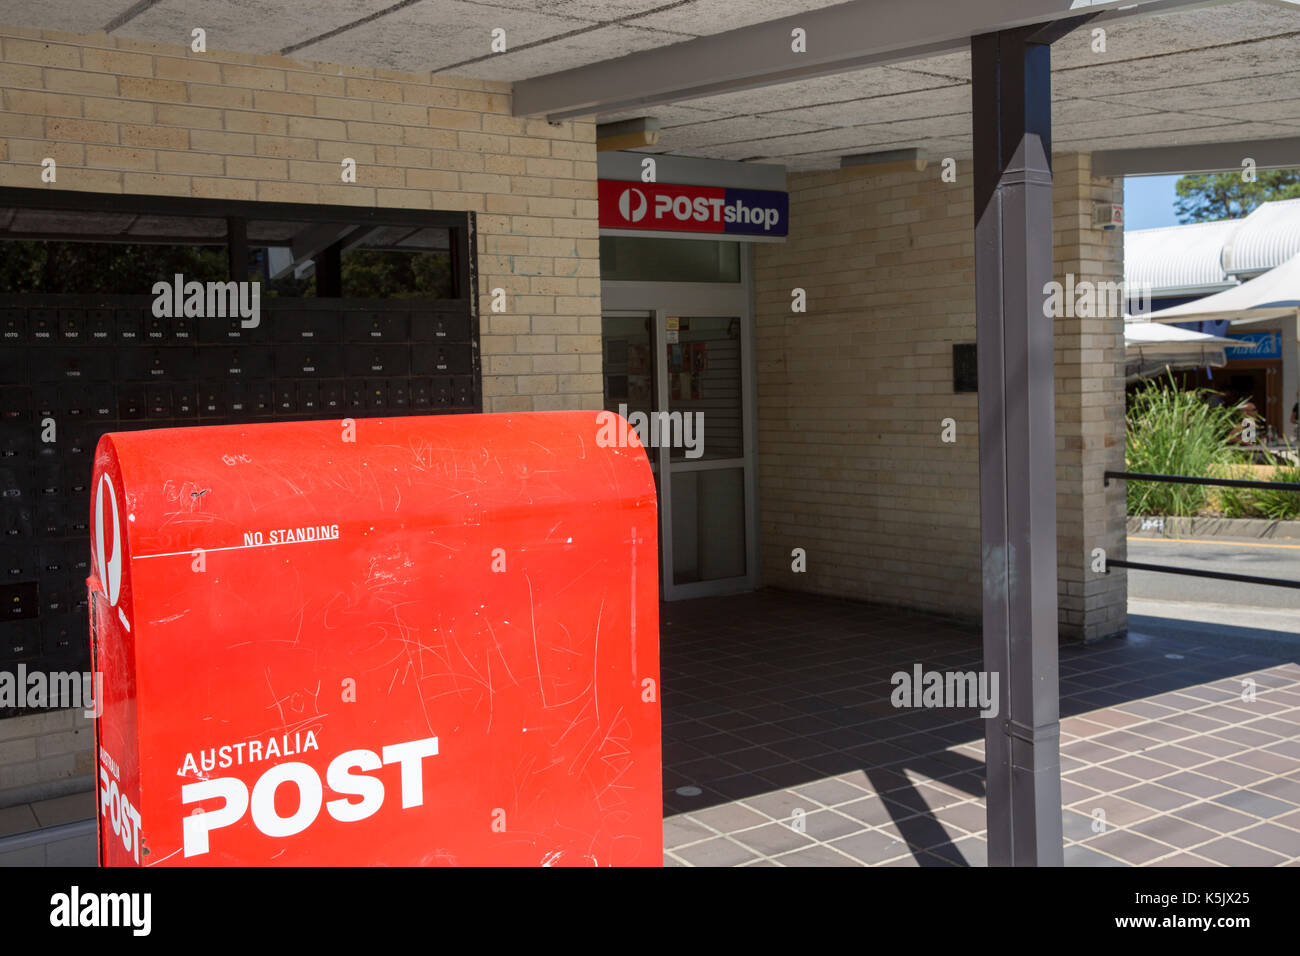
678 364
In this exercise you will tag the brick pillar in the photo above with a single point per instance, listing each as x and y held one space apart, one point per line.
1089 409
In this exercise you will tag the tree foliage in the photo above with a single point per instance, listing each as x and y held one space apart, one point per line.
1230 196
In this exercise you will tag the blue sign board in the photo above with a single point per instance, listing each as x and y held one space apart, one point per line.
1256 345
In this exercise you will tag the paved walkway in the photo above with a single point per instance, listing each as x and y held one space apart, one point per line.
781 746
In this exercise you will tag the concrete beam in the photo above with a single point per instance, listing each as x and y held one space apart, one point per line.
1198 158
850 36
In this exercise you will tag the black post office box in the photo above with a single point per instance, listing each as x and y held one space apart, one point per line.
80 439
331 396
16 441
376 326
444 325
185 330
72 326
64 637
16 479
19 600
76 561
100 328
390 360
421 393
237 401
286 398
155 364
20 641
157 329
54 599
16 563
49 480
130 326
308 397
158 401
77 517
308 361
51 521
131 403
231 330
212 399
442 392
246 363
47 400
184 401
42 326
100 402
15 521
13 326
377 396
261 397
74 366
355 396
463 391
442 359
52 557
14 364
15 405
399 395
305 327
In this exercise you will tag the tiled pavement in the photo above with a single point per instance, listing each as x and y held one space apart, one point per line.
55 832
781 746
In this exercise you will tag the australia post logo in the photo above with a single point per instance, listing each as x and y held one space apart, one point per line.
668 207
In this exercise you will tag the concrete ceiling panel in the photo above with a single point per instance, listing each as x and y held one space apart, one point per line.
248 26
69 16
1216 96
736 129
668 116
1175 32
879 109
561 53
877 81
432 34
707 17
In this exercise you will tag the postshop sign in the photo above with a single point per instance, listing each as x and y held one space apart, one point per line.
674 208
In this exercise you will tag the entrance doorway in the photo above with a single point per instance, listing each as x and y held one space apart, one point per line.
681 355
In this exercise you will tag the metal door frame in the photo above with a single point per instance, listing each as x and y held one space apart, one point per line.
703 299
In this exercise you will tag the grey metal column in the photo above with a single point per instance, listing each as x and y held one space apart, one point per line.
1011 112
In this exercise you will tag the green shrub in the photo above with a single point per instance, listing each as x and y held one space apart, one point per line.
1170 431
1276 505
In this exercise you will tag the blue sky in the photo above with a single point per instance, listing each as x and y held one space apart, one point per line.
1149 202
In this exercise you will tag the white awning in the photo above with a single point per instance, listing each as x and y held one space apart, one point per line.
1152 333
1274 294
1151 348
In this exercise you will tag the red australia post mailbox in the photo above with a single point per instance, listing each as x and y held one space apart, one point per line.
416 641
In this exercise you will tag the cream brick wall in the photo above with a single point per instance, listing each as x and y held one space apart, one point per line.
45 755
122 116
1089 410
853 393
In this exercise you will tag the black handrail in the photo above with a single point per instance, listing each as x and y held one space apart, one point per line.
1184 480
1196 572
